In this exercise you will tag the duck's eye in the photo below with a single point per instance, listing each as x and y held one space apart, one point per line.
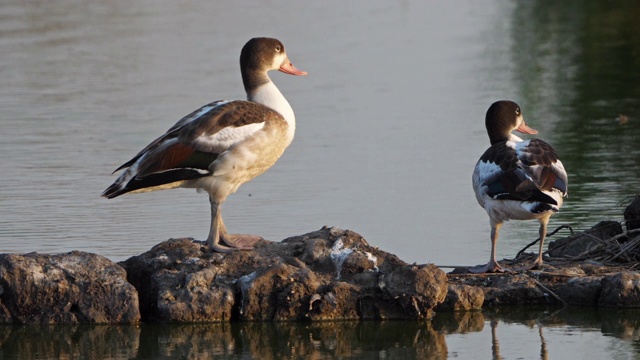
278 48
518 111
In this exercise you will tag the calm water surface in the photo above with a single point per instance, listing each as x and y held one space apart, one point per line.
390 121
510 334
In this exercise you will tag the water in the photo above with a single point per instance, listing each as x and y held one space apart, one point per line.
390 118
510 334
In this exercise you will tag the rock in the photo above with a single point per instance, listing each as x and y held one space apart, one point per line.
569 284
632 214
406 292
277 292
69 288
340 300
173 282
195 297
328 274
513 290
425 281
620 290
580 291
462 297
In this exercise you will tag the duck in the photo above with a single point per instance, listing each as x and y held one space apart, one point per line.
516 179
222 145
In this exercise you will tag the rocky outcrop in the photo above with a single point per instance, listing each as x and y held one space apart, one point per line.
76 287
620 290
577 284
328 274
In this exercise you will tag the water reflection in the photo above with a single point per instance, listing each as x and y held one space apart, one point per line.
363 340
69 342
390 340
543 333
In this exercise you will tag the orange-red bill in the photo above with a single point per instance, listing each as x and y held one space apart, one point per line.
523 128
288 68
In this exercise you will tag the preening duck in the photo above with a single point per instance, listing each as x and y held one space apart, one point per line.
516 179
221 145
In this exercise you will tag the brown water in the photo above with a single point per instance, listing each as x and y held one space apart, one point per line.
390 118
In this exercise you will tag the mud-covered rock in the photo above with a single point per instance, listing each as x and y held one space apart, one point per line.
582 291
513 290
69 288
462 297
570 284
418 289
327 274
277 292
620 290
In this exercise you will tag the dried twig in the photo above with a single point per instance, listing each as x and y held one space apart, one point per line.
548 235
546 289
629 245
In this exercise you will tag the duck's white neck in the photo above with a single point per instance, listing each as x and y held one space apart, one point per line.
269 95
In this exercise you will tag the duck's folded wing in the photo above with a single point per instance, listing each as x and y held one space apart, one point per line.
540 162
190 147
207 112
505 179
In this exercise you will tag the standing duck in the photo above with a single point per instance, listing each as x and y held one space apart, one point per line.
221 145
516 179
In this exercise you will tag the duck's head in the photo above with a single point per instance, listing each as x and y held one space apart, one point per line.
260 55
502 118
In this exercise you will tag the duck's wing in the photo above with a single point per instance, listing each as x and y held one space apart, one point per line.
189 148
540 162
504 176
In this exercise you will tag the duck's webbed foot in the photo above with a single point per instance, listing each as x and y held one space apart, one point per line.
537 264
220 241
240 241
491 267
